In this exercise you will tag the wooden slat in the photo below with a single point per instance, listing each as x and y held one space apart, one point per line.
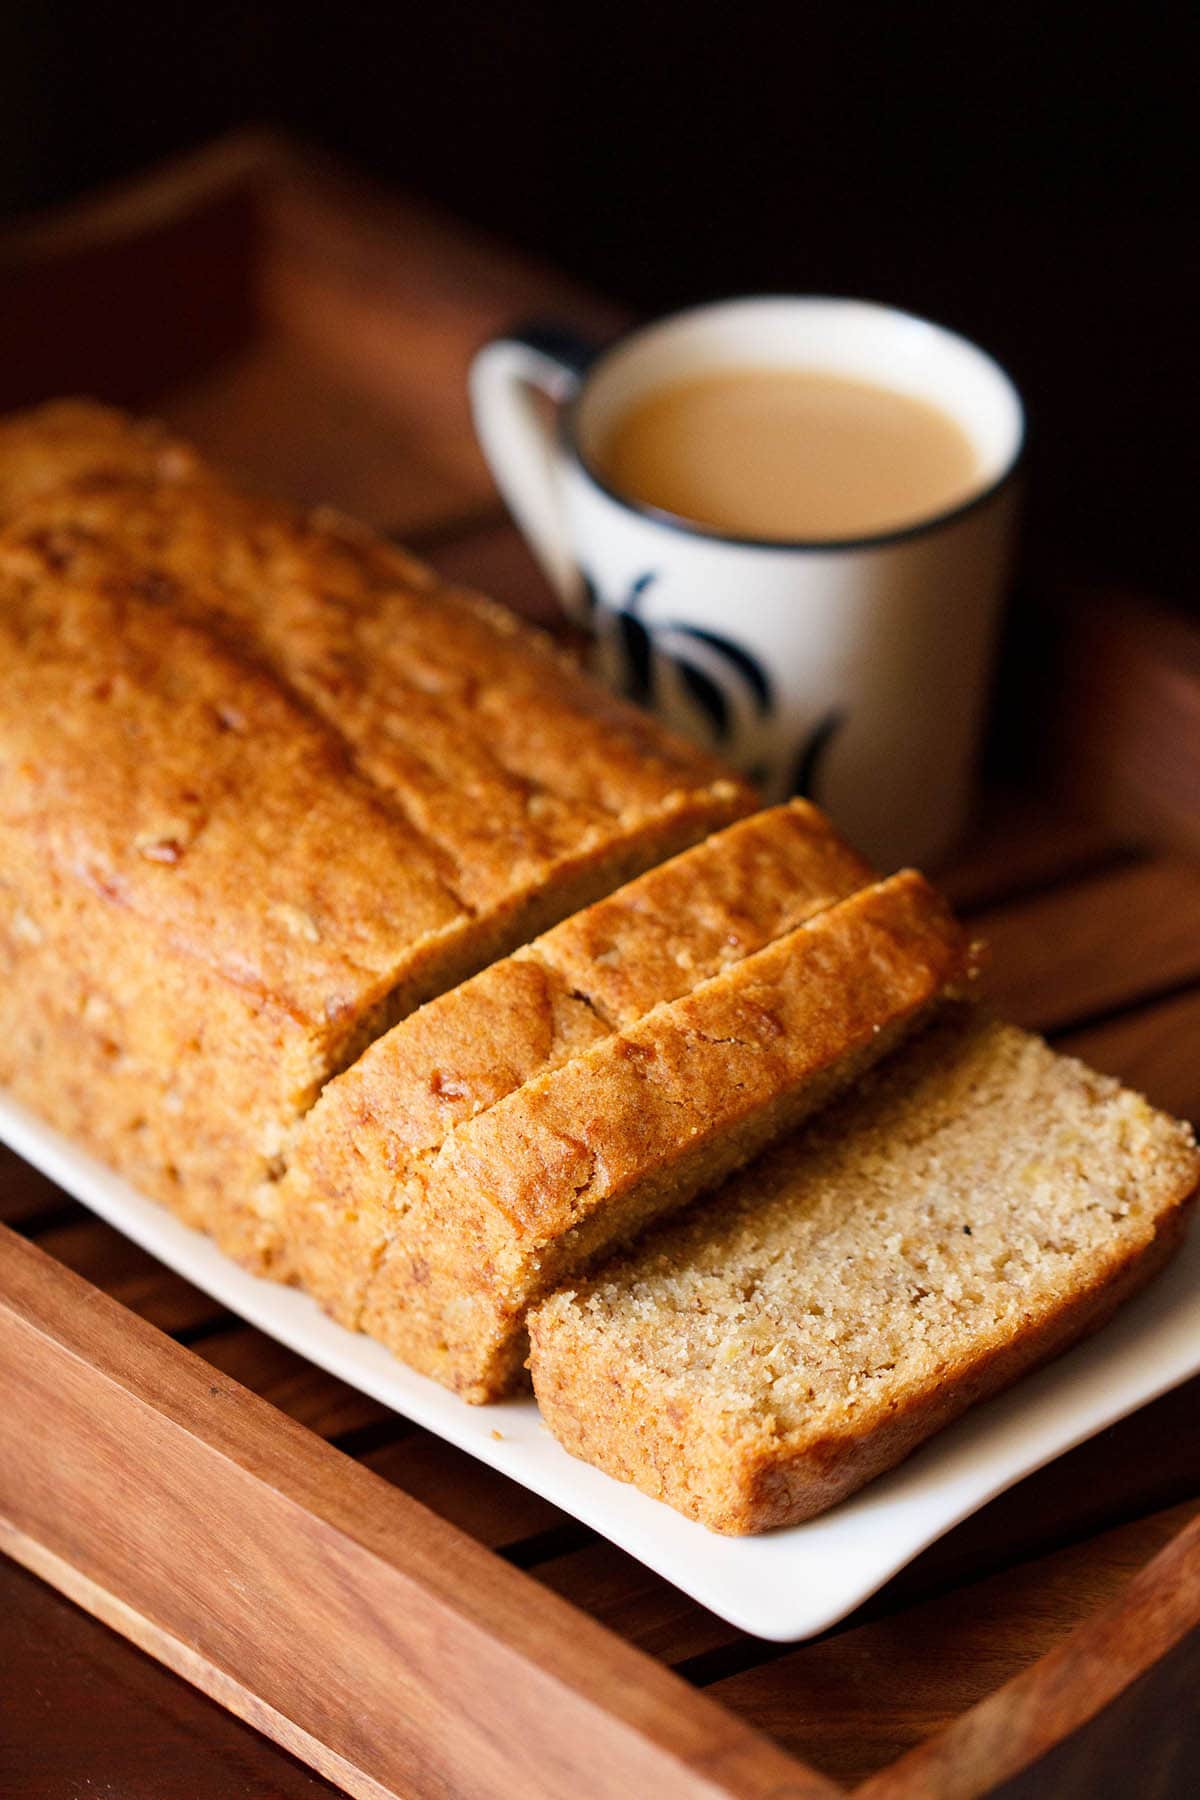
468 1495
135 1279
147 1287
389 1650
1153 1049
1040 1708
1122 715
854 1702
1019 844
1095 945
639 1605
86 1714
1143 1464
1145 1742
301 1390
25 1195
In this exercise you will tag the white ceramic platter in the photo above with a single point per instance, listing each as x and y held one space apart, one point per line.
786 1585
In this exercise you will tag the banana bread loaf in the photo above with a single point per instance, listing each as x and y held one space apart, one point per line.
506 1134
977 1206
265 785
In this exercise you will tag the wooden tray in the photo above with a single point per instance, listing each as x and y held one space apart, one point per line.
404 1620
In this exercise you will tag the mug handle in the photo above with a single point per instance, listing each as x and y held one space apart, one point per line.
521 445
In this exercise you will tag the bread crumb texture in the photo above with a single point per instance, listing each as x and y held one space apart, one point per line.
976 1205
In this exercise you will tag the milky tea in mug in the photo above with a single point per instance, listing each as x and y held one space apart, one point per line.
785 523
783 453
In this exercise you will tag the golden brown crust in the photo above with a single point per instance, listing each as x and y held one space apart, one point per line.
265 785
656 940
492 747
439 1251
146 762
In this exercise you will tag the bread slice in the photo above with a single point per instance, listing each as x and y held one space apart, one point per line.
265 786
500 1139
976 1207
652 941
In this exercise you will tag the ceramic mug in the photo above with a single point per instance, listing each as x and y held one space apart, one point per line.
853 671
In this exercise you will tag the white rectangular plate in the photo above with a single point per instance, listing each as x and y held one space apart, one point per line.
785 1585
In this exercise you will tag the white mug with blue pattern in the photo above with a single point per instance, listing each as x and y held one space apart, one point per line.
855 672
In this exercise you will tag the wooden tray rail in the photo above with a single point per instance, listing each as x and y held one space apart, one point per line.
401 1618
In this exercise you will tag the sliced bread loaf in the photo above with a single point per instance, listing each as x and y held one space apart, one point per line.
265 785
506 1134
977 1206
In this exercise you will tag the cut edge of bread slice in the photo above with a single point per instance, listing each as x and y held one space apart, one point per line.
811 1324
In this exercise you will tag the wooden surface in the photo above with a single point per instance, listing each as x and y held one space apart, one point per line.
473 1640
313 1599
1122 704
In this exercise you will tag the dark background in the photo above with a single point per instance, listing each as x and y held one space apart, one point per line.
1017 173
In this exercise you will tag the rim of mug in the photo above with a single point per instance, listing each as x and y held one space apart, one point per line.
569 414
